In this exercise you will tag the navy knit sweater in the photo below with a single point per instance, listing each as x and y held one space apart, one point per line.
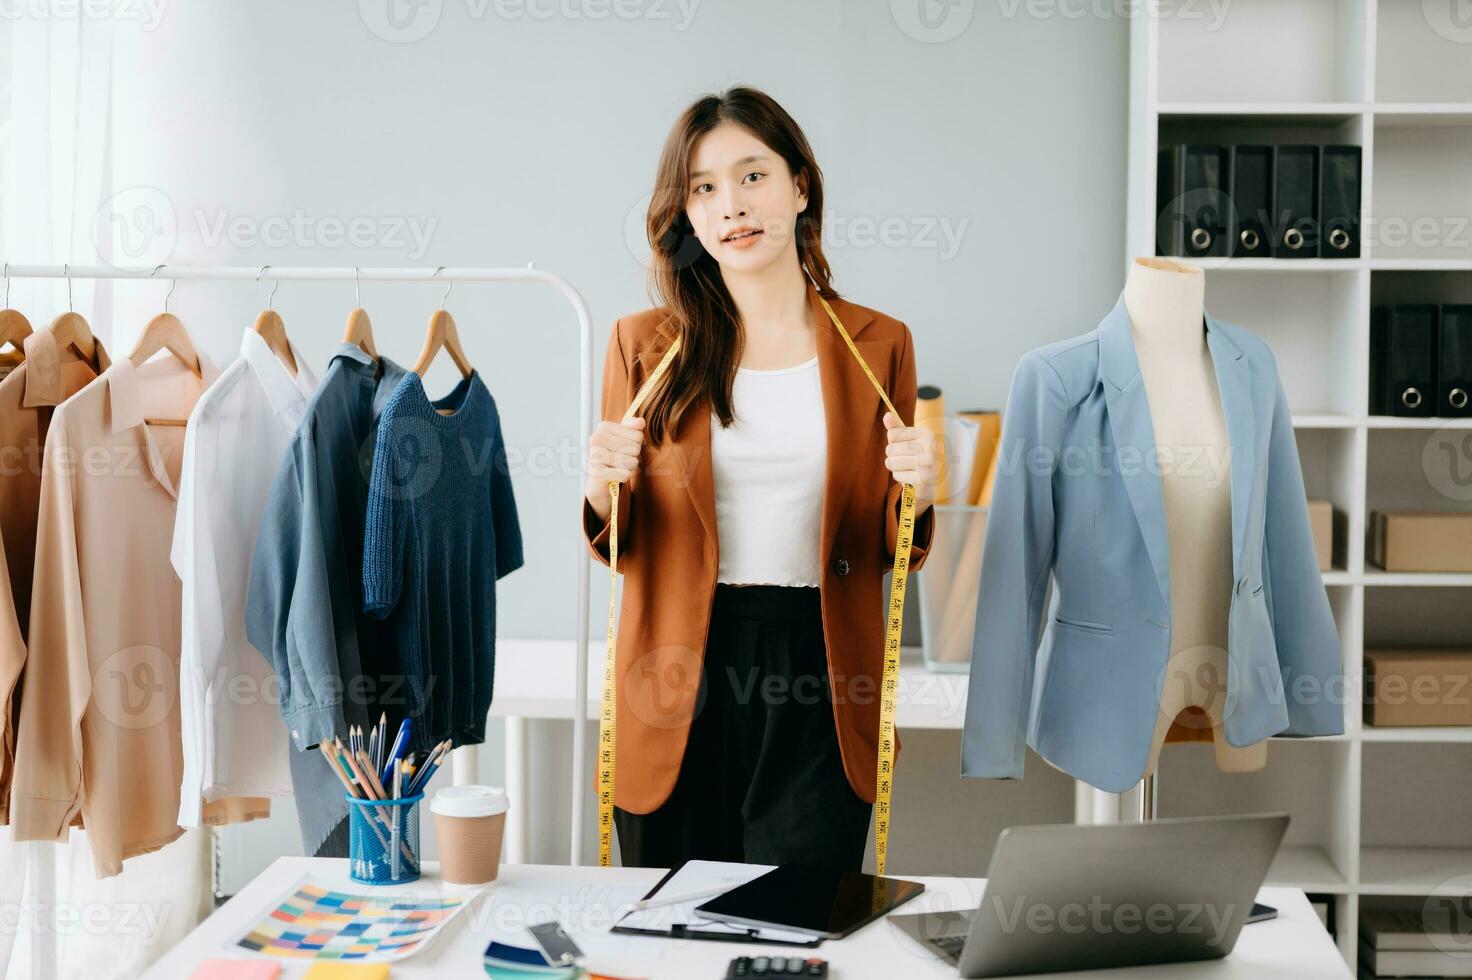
441 529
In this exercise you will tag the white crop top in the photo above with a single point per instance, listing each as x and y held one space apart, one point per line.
769 468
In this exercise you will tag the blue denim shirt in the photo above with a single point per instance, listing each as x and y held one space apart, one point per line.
304 608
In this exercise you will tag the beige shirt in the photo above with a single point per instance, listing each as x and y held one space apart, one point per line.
99 720
28 395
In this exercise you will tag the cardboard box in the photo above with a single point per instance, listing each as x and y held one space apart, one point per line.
1418 687
1324 521
1421 541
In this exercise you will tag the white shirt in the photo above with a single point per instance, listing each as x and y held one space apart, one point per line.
235 742
769 469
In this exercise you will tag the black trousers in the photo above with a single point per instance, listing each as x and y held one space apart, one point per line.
762 780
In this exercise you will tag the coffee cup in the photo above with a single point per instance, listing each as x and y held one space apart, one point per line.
469 822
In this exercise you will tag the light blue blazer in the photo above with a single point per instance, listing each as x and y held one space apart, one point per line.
1078 496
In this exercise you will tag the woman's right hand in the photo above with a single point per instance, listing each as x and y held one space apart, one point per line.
613 457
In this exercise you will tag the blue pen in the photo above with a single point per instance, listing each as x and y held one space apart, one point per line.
422 777
401 742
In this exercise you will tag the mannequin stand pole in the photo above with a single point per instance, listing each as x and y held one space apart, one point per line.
1149 798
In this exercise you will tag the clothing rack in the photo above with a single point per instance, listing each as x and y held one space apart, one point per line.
464 760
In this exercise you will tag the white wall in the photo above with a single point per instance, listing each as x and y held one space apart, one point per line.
992 161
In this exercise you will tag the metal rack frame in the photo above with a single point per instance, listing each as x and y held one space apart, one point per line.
465 760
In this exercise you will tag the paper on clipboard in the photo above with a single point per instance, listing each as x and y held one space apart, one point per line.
700 878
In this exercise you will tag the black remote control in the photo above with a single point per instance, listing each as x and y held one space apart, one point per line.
776 966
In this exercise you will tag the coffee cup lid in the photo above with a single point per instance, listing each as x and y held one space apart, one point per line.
469 801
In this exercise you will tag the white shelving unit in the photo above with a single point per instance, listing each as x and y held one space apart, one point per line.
1379 815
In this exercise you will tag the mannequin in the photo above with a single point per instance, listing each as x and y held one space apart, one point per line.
1165 302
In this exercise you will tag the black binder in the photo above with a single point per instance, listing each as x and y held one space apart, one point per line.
1192 206
1454 375
1296 194
1252 200
1339 202
1403 355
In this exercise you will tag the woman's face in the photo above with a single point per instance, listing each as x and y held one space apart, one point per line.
742 201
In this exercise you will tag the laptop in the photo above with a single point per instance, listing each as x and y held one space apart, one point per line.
1067 897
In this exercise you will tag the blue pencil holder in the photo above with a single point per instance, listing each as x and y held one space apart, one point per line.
383 840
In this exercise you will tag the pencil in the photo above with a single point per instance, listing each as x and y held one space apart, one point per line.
337 769
357 772
372 776
382 738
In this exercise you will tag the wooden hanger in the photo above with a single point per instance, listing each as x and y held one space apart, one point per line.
14 329
270 328
442 334
359 331
166 332
71 329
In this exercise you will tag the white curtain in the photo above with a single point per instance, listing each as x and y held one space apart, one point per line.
57 920
55 147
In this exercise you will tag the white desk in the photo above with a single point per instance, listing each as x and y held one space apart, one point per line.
1294 945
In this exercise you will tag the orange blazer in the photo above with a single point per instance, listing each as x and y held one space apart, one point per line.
668 549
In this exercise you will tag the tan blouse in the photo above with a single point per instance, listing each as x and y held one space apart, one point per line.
99 719
28 395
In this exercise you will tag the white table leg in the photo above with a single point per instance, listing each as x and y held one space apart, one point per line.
517 788
465 766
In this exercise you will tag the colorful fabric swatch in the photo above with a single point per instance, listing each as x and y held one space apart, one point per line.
313 922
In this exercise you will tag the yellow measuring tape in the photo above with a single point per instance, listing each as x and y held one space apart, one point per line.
904 541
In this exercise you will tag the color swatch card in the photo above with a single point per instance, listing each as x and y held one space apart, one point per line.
313 922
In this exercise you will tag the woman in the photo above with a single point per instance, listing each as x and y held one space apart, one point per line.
758 508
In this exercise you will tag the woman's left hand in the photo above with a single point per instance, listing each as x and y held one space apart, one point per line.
911 458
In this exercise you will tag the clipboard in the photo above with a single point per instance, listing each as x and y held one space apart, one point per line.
710 929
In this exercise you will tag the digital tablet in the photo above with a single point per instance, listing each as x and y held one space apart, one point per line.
803 898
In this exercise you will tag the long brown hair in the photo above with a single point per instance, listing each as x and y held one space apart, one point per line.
684 277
